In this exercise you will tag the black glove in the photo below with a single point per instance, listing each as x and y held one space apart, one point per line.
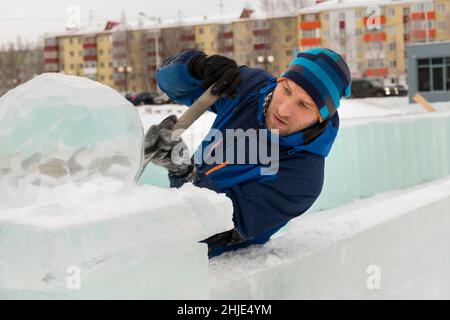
220 70
158 147
226 238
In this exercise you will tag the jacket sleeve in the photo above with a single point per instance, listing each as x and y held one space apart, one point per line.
174 79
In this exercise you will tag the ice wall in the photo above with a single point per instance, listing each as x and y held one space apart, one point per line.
385 154
124 241
390 246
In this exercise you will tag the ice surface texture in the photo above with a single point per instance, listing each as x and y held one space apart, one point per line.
128 241
57 129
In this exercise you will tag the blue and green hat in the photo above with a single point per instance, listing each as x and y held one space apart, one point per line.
324 75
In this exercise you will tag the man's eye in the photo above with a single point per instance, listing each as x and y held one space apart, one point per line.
301 104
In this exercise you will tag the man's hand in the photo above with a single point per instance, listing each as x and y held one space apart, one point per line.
158 147
217 69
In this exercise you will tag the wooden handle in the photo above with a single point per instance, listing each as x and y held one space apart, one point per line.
206 100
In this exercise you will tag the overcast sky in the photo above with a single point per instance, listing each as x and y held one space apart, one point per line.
32 19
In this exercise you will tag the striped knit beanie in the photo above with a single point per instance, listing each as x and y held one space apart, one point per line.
324 75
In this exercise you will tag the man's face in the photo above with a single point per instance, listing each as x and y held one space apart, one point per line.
291 109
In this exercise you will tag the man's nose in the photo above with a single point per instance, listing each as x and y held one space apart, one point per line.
285 109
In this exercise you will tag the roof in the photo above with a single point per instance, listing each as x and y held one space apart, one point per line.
347 4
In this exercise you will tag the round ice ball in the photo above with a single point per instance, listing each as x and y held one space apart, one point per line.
56 129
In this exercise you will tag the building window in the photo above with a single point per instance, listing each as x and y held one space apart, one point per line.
201 31
424 79
393 64
358 31
100 52
71 67
287 23
102 65
70 41
391 12
342 16
442 25
72 53
392 46
447 75
288 38
110 64
80 53
440 7
102 78
438 78
406 11
326 16
434 74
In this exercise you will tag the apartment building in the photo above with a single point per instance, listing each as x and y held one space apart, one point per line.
372 36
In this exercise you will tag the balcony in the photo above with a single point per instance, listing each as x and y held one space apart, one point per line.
375 37
261 46
189 37
261 32
226 35
422 34
92 57
51 61
51 48
89 46
417 16
228 48
376 72
310 42
308 25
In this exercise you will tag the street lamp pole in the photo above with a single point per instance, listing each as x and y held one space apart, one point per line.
266 60
156 40
126 70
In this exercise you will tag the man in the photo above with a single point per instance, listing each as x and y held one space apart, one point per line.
300 107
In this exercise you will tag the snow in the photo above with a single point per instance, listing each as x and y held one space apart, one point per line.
326 254
347 4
